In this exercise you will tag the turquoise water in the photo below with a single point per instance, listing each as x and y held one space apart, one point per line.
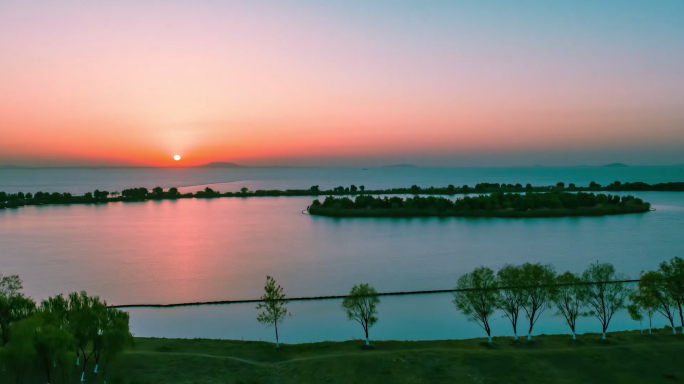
222 249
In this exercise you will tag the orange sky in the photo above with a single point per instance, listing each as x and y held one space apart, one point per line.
130 84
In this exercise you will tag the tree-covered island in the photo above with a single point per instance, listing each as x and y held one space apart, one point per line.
497 204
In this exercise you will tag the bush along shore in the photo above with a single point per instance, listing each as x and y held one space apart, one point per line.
497 204
14 200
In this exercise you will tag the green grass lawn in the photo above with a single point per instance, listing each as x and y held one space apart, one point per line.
625 357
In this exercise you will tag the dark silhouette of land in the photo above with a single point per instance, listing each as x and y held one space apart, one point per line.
497 204
401 166
14 200
220 164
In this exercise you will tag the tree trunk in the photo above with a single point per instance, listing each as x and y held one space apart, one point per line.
515 329
366 329
47 370
276 329
529 333
650 324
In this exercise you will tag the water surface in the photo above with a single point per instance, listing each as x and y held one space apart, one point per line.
222 249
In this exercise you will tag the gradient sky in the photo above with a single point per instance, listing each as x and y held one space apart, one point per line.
471 83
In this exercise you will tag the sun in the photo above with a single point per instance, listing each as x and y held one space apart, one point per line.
177 157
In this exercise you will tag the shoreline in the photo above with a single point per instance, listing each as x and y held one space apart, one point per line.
20 199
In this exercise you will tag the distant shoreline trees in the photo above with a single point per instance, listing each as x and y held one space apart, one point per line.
19 199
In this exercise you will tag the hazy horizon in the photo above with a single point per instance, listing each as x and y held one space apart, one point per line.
342 83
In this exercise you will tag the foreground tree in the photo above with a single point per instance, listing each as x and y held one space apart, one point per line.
602 292
566 298
10 285
477 296
652 294
12 309
83 324
273 305
360 306
35 344
511 298
113 334
538 283
673 273
13 305
640 306
18 357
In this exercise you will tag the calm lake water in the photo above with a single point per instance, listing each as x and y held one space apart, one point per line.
222 249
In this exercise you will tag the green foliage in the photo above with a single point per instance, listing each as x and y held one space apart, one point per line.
478 296
538 287
652 295
13 305
511 299
635 311
273 306
35 344
673 274
566 298
10 285
360 306
12 309
113 334
603 297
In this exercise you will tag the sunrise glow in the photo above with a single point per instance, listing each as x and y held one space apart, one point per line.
341 83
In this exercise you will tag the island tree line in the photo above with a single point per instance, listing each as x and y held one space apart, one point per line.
497 204
13 200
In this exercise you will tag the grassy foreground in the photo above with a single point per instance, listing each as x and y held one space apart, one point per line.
625 357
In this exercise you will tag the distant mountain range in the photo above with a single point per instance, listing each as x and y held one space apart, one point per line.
225 164
401 166
220 164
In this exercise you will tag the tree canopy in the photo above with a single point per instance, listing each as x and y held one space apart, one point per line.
361 306
273 305
551 204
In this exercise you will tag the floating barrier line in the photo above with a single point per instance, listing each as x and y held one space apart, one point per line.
344 296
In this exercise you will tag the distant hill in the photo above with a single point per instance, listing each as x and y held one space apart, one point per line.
10 166
616 165
220 164
401 166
